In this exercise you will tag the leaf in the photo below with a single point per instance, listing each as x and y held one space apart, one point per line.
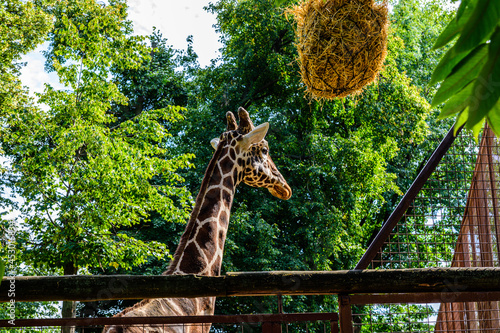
461 120
463 6
454 27
494 119
457 103
487 85
480 25
114 264
477 128
446 65
463 73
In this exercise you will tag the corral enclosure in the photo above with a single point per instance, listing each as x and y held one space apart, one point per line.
453 222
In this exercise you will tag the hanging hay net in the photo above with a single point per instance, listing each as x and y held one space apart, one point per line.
341 44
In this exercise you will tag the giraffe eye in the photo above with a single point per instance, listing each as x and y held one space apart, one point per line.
265 151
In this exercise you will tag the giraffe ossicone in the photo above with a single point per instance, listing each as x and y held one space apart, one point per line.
241 155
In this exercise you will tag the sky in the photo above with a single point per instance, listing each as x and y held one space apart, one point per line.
176 20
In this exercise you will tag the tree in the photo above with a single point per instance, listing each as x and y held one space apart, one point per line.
157 83
24 27
86 169
416 25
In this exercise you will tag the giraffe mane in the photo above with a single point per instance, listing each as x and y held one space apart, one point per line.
197 206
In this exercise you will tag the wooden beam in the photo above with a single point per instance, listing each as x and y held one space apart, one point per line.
102 287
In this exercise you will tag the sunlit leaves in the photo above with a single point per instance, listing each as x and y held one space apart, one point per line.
86 171
23 27
470 69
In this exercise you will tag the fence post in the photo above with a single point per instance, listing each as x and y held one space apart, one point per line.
334 326
345 314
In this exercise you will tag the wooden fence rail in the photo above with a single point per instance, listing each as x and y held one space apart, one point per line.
101 287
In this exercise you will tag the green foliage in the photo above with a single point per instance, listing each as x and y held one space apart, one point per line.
31 310
85 170
23 27
156 84
414 26
470 69
398 318
2 270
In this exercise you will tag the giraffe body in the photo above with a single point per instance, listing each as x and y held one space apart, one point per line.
242 155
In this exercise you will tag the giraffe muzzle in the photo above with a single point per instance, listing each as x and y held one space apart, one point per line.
281 191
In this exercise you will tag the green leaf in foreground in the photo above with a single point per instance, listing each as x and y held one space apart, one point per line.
480 25
487 85
462 74
453 29
446 65
494 119
457 103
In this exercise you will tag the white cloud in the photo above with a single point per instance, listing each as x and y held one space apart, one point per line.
176 20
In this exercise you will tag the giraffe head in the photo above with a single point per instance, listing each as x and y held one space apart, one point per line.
246 154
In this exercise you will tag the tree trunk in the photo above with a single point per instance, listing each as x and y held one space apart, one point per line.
69 307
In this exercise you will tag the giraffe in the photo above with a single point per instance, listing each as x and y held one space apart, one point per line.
241 155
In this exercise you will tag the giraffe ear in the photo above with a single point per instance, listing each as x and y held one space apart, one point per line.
215 143
255 135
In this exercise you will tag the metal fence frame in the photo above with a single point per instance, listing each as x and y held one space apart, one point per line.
271 323
453 295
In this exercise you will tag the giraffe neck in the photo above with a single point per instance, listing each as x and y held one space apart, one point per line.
201 247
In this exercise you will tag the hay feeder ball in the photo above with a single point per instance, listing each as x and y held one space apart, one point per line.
341 45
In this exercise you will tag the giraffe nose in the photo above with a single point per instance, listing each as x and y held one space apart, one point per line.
282 191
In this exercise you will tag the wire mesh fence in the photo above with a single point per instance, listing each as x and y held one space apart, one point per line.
428 231
453 222
395 318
